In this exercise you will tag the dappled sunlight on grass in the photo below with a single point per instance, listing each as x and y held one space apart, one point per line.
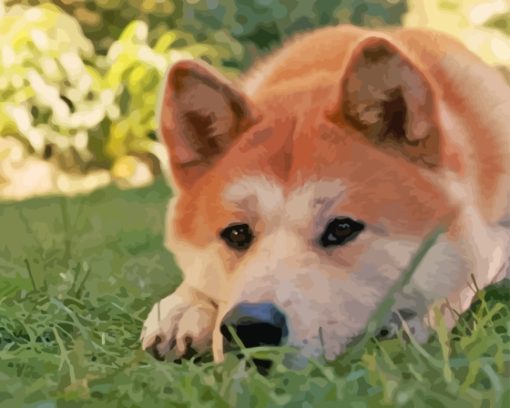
79 276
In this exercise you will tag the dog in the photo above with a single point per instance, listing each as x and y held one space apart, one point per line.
303 192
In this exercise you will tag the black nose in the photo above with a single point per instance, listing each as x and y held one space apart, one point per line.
256 324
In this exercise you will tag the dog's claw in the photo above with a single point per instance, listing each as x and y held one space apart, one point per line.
178 328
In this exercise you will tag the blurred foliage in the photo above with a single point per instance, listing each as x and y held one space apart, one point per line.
79 79
134 71
82 109
256 25
51 95
482 25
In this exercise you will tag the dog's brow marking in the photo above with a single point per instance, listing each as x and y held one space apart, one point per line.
258 193
318 193
313 197
265 197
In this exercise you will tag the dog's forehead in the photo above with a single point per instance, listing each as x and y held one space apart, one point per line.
270 199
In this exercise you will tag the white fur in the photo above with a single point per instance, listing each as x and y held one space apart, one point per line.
286 265
255 195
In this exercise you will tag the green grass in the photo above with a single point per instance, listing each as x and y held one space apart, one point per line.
79 275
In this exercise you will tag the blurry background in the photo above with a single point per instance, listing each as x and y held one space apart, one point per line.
79 79
79 83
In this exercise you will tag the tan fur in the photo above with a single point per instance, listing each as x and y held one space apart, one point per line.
315 133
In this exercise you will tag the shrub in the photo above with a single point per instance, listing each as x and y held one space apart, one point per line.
80 109
134 72
254 25
51 95
79 80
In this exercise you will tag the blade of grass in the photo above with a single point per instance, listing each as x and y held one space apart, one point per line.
77 271
64 358
386 305
76 321
442 335
87 270
433 361
29 269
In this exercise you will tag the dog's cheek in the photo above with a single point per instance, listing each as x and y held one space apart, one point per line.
202 268
323 312
442 270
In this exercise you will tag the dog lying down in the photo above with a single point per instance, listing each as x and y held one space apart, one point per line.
303 192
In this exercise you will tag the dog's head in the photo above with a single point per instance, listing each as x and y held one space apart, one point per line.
299 206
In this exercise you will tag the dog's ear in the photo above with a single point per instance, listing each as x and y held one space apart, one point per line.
386 97
200 115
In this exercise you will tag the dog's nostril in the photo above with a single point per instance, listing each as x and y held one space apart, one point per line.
255 334
256 324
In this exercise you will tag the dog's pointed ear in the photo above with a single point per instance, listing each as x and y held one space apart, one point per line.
201 114
388 98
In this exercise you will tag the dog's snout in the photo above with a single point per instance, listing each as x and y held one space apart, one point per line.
256 324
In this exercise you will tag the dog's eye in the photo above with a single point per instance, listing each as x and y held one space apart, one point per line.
238 236
340 231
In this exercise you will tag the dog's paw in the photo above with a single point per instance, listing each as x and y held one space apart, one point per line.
178 327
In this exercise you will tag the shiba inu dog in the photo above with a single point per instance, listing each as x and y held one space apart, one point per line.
303 192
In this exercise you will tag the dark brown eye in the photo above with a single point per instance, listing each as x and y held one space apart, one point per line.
340 231
238 236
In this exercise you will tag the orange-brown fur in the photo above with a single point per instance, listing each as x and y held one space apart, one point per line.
309 73
292 128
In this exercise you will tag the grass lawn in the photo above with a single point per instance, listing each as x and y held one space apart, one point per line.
79 275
